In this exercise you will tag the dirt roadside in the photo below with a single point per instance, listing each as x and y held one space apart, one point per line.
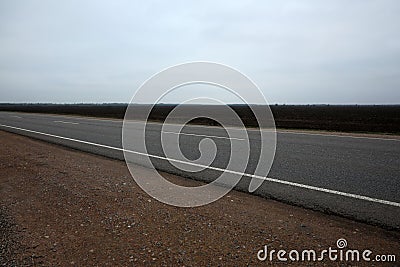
60 207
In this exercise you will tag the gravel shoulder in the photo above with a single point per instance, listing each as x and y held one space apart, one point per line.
61 207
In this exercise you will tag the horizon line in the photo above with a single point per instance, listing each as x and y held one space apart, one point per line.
205 104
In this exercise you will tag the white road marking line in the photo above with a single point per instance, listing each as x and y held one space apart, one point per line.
83 118
66 122
334 192
337 135
283 132
68 117
16 117
74 117
204 135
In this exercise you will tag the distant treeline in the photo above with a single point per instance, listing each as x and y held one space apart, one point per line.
348 118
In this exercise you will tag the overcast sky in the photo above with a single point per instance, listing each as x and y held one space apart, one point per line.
296 51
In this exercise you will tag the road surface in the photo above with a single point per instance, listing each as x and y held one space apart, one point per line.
357 177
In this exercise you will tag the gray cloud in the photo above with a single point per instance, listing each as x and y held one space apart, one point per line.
296 51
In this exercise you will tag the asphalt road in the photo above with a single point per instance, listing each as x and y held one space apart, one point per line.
356 177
